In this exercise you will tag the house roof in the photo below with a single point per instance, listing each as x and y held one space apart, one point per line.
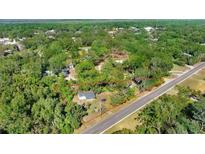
87 94
137 80
187 54
148 28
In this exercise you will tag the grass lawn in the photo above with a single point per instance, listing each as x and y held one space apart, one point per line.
196 82
129 123
95 105
172 91
179 68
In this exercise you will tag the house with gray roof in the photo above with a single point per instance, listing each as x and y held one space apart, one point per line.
88 95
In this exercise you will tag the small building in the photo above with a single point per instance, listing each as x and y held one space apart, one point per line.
88 95
49 73
148 29
50 32
4 40
120 28
10 42
134 29
137 80
7 41
187 54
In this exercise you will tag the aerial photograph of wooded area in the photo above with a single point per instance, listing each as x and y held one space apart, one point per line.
102 76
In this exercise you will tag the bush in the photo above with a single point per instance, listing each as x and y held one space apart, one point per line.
122 97
118 99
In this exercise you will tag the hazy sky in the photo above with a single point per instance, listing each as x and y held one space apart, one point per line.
103 9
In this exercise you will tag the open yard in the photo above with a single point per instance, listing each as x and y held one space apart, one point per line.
196 82
129 123
179 68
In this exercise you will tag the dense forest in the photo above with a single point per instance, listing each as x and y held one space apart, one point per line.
106 56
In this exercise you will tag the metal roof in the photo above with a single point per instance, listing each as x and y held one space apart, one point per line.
87 95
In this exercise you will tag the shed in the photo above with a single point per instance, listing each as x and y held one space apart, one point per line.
49 73
137 80
88 95
187 54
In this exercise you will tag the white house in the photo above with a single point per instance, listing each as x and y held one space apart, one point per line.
52 31
148 29
4 40
135 29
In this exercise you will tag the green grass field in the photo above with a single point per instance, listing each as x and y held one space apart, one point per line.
129 123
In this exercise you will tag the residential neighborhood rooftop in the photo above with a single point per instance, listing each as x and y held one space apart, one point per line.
87 95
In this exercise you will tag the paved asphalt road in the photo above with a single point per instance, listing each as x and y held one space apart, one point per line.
107 123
